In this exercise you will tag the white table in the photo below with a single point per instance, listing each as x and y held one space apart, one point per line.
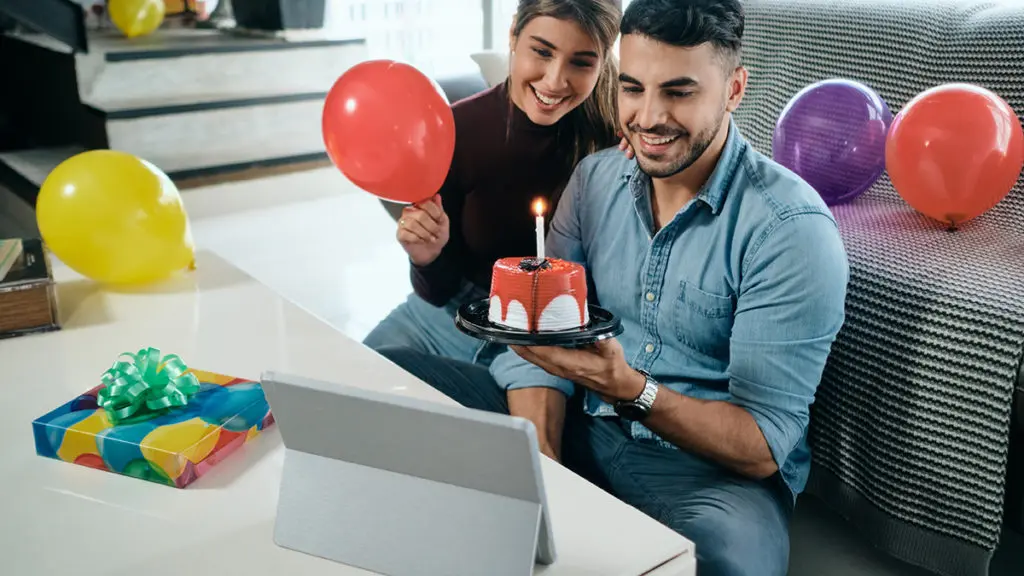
60 518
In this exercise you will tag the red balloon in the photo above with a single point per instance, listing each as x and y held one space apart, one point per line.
954 152
390 130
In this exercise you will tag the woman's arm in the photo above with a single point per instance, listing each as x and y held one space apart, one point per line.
440 280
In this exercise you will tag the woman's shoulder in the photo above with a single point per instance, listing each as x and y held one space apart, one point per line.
488 106
481 122
478 118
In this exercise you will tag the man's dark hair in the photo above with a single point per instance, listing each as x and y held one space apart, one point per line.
688 23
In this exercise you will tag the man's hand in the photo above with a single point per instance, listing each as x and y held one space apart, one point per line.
545 407
601 367
718 430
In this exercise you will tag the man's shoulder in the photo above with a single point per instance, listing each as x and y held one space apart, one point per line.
777 207
610 157
778 190
601 170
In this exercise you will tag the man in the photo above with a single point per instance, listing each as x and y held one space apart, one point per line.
729 275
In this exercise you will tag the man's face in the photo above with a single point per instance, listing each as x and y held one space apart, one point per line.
672 101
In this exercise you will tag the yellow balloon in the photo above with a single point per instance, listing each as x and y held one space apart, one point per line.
136 17
115 218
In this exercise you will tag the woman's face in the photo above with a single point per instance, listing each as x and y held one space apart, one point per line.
554 68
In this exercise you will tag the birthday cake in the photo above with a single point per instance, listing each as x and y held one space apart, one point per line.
535 295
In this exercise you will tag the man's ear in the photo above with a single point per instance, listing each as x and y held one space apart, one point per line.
737 87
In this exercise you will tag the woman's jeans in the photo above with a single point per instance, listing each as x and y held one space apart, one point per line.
419 325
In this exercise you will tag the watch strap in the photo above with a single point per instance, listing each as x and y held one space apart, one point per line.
649 393
640 407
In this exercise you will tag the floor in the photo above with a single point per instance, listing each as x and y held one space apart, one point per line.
329 248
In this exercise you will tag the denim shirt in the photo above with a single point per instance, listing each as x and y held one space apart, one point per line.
738 298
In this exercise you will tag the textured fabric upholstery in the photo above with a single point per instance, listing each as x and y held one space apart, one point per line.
911 426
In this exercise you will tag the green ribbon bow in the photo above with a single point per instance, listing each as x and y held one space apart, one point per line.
145 387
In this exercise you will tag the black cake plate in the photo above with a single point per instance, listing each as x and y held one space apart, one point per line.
472 319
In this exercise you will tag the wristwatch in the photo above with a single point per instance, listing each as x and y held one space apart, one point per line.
638 408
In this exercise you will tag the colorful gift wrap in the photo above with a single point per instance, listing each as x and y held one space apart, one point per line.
155 419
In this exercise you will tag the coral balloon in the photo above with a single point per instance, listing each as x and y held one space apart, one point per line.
832 134
114 218
954 152
136 17
390 130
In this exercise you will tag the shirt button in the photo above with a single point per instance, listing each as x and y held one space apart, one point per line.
650 296
649 348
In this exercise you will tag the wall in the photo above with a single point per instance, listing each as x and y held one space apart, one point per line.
433 35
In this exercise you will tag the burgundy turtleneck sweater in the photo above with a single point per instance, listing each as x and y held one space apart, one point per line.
502 162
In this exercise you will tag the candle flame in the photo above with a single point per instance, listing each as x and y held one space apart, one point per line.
539 207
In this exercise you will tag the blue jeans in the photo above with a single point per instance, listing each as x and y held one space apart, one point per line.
739 526
421 326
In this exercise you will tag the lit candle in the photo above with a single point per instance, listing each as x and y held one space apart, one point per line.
538 210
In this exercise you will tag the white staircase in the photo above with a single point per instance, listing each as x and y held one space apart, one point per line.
193 102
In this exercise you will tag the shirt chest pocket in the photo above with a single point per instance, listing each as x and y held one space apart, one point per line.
703 321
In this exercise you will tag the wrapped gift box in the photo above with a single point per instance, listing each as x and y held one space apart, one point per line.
174 447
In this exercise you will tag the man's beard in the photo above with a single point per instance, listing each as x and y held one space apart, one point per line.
700 143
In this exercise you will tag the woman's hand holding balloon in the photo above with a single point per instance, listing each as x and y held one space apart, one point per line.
423 231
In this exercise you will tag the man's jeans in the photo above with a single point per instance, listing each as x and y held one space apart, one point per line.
740 527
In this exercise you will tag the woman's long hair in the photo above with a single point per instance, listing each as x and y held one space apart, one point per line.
592 125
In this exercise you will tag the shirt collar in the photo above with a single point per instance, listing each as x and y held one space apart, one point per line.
714 190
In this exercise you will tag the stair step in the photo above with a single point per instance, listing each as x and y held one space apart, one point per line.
187 66
183 66
35 165
199 104
161 107
179 42
23 172
197 137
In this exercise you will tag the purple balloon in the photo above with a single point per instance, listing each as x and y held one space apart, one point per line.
832 134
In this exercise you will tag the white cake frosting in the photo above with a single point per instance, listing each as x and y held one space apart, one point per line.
562 313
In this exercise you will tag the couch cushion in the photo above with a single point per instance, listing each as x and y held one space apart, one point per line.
493 65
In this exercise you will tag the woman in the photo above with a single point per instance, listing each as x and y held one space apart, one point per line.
515 142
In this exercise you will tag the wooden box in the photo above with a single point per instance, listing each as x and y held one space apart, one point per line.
28 297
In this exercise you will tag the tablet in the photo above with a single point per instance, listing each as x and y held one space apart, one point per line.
404 486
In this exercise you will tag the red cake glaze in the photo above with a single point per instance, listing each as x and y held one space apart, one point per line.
535 289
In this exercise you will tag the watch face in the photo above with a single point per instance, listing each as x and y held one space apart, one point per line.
631 411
